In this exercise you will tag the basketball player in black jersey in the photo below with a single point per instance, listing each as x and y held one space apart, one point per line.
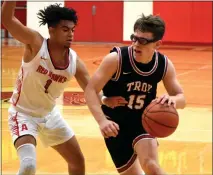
133 72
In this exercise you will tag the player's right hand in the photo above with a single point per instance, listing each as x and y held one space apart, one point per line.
108 128
114 101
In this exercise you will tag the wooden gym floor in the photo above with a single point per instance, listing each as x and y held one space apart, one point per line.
187 151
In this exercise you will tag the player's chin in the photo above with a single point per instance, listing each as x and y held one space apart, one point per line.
67 44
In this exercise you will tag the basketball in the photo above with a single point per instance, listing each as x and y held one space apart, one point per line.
160 120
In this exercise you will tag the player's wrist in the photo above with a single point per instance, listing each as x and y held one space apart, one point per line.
101 119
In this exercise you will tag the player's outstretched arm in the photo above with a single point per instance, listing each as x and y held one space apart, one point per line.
16 28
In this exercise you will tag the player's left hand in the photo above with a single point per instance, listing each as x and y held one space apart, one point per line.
166 99
115 101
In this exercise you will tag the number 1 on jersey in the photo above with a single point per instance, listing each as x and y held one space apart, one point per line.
139 101
48 83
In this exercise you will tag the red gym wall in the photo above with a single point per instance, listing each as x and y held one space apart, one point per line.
186 22
98 21
189 22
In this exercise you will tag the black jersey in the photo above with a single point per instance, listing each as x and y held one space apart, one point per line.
136 82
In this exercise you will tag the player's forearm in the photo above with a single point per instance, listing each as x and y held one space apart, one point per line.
93 102
180 100
8 9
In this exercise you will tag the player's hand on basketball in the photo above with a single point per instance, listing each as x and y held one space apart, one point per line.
115 101
166 99
108 128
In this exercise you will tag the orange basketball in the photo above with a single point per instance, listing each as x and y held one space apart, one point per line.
160 120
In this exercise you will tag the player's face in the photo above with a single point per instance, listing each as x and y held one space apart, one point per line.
63 33
143 44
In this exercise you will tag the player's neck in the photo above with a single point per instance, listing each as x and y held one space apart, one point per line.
57 49
55 46
144 58
58 53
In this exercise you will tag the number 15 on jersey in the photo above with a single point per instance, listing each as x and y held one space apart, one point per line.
136 101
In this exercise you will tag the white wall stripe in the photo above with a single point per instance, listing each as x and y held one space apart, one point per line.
32 19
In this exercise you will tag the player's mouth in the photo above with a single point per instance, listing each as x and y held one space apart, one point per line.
69 41
137 52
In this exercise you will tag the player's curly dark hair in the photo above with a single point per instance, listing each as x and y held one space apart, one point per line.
151 23
52 15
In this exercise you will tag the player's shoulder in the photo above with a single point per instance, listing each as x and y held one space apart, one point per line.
119 49
160 54
122 52
162 57
110 59
73 53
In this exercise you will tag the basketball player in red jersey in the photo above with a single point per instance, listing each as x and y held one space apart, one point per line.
133 72
47 66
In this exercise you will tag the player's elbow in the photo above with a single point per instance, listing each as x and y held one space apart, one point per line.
182 103
88 89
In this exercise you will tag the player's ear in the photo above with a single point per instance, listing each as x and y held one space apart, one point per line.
51 30
158 44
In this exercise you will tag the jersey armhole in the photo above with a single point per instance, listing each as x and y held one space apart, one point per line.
165 67
118 71
28 64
